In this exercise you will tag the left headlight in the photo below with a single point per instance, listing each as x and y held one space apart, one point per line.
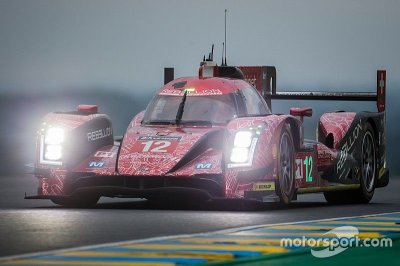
51 146
243 139
243 149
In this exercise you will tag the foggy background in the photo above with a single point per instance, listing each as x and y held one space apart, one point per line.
55 55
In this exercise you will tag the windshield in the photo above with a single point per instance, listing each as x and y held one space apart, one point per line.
216 109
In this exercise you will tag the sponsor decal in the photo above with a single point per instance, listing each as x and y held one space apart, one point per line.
191 92
99 134
105 154
308 162
304 166
168 138
263 186
252 80
204 166
324 155
347 146
95 164
299 169
156 144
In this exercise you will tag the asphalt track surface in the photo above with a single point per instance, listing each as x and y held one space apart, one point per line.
28 226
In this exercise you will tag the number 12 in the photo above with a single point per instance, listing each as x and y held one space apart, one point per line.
308 163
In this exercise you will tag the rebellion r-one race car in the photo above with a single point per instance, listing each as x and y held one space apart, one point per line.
214 136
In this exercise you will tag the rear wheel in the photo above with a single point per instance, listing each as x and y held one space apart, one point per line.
286 187
368 174
368 167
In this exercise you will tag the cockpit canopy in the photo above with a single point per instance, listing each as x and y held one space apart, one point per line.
211 101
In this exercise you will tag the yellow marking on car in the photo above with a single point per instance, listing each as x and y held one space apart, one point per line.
207 256
189 90
329 188
382 171
263 249
262 186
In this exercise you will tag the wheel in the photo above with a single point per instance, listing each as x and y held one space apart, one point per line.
368 167
368 174
286 186
77 202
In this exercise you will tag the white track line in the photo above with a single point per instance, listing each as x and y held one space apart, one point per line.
224 231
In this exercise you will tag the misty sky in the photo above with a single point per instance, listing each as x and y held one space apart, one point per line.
124 45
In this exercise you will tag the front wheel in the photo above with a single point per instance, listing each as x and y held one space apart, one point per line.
286 187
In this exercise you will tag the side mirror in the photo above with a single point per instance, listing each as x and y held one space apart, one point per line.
301 112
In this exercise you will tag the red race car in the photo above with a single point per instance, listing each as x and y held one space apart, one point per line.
214 136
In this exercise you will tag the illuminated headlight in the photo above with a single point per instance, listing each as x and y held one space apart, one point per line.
54 135
242 139
52 148
53 152
243 149
239 155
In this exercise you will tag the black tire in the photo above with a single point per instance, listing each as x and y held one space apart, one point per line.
368 166
77 202
368 174
286 187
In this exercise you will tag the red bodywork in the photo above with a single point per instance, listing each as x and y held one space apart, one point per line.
182 152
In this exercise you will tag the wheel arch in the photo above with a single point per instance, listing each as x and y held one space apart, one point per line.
374 128
296 131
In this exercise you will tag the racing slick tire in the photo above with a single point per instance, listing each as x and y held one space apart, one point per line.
368 166
368 174
286 175
77 202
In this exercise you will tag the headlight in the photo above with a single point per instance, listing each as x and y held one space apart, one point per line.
54 135
243 139
242 151
239 155
51 150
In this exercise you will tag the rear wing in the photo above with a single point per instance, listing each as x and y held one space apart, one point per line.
263 78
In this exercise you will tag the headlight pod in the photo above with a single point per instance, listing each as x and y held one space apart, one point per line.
239 155
53 152
243 139
244 144
54 135
51 148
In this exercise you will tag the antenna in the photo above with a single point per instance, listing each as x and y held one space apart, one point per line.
226 10
211 55
223 49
